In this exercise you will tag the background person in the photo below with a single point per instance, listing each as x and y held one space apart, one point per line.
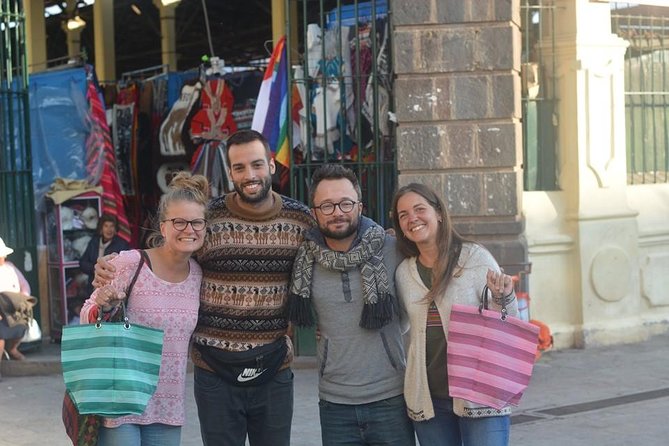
442 268
104 242
166 296
11 279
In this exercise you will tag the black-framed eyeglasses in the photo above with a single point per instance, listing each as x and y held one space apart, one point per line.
345 206
180 224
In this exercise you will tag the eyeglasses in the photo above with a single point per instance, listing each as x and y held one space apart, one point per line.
180 224
345 206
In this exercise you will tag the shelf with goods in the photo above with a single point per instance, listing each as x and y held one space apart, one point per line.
70 225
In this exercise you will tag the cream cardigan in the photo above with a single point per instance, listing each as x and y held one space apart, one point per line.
465 288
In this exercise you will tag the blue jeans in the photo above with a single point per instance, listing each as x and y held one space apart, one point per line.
383 422
140 435
228 413
448 429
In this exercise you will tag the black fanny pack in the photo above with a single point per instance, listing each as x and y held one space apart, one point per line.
253 367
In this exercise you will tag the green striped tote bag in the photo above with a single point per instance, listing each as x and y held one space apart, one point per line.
111 368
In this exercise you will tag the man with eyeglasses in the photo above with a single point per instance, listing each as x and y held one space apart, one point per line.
344 275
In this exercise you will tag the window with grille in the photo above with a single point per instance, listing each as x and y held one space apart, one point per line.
646 93
540 169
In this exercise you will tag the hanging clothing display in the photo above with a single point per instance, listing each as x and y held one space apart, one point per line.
99 145
122 125
213 121
346 102
244 86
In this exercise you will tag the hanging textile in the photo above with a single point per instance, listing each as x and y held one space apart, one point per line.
171 130
210 161
123 120
99 144
213 121
244 86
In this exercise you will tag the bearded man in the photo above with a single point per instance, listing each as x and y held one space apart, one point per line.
344 274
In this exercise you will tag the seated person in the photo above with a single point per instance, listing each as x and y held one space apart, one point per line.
105 242
11 279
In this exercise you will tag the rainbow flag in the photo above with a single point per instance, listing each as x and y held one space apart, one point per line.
271 114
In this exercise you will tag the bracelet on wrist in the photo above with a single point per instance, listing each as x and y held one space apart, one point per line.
505 299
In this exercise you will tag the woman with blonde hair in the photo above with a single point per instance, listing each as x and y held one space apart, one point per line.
442 268
166 295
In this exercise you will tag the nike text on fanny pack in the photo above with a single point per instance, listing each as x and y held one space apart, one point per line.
249 374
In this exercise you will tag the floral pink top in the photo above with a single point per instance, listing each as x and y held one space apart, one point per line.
172 307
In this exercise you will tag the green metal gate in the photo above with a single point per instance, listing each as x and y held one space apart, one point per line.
17 214
342 71
342 76
646 95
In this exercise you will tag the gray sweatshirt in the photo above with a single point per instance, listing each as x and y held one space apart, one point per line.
356 365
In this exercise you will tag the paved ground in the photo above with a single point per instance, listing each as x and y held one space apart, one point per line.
612 396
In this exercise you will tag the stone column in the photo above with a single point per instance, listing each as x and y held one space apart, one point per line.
278 20
591 139
105 50
73 35
35 35
73 43
168 40
458 99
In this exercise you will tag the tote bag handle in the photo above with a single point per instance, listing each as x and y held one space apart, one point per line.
110 317
485 296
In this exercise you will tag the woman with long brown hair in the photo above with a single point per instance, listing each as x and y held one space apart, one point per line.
442 268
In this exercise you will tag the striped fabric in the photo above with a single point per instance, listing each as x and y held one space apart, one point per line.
110 369
489 360
99 144
433 317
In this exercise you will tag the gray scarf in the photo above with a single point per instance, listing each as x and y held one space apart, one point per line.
366 255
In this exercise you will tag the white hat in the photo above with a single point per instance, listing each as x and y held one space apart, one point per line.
4 249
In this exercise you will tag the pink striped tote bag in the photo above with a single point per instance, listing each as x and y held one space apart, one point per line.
489 355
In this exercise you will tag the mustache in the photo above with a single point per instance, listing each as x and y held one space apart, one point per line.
339 220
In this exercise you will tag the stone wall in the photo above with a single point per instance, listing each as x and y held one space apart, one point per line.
457 95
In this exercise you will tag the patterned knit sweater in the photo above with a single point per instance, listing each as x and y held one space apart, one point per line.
247 260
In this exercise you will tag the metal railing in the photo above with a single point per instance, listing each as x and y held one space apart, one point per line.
342 69
17 216
17 211
646 96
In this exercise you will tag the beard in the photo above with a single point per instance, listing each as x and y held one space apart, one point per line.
261 195
343 233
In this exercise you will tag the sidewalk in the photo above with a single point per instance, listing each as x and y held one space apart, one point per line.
609 396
